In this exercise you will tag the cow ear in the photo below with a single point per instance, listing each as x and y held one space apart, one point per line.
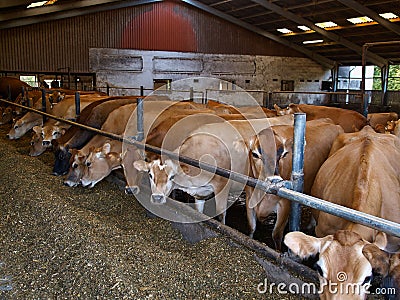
141 165
37 129
378 258
304 245
172 165
381 240
106 148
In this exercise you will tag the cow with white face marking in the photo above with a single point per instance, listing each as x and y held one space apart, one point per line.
219 144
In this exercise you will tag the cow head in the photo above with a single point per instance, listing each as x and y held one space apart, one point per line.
290 109
99 164
62 156
36 145
77 168
387 265
56 97
344 272
17 130
6 115
161 177
51 132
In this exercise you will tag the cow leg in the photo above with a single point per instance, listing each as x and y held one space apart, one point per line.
250 211
221 199
282 216
199 205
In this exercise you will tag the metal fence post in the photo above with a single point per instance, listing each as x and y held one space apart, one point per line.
140 127
77 105
297 168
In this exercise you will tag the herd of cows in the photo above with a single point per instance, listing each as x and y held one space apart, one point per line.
349 160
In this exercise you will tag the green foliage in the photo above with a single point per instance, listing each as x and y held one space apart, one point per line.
393 81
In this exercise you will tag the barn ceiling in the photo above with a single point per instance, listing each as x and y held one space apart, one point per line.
295 23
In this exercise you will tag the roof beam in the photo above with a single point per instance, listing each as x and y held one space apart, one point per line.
60 11
316 57
370 13
375 59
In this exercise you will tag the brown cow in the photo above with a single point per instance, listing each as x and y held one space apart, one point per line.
215 143
350 120
361 173
388 265
320 135
12 85
343 271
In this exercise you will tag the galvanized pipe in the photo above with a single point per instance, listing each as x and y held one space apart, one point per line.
140 127
274 185
297 177
352 215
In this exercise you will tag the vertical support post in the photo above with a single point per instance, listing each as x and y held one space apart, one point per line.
191 94
364 101
44 104
385 79
9 93
139 126
141 91
77 105
297 168
334 73
108 89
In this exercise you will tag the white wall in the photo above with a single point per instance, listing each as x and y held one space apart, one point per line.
134 68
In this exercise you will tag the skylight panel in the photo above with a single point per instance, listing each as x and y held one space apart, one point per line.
304 28
284 30
360 20
41 3
326 24
313 41
36 4
389 15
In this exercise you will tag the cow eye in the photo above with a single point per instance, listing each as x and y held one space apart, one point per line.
32 143
255 154
151 176
319 270
367 280
88 164
74 165
16 127
172 177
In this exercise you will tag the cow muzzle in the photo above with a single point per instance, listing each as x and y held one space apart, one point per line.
158 199
46 143
132 190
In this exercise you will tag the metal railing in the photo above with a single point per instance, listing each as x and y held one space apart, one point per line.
272 185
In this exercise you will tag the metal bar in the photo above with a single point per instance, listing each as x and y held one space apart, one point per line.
274 184
364 103
77 105
384 78
297 177
140 129
352 215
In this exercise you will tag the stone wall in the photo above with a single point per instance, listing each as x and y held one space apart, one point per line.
126 70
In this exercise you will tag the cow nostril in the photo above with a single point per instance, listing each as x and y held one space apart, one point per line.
45 143
157 199
131 190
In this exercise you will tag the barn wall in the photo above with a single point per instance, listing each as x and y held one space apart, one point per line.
170 26
124 69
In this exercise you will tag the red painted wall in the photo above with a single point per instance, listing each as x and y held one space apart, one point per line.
160 28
